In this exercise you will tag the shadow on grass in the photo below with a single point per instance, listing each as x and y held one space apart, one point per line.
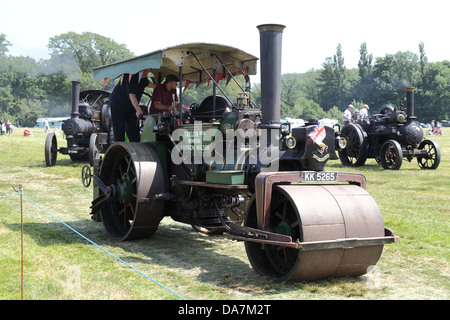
175 246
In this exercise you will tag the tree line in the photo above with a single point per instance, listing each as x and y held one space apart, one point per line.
375 82
31 89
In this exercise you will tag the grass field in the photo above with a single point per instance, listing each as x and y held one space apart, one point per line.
60 264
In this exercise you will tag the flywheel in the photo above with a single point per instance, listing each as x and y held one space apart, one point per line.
322 215
133 176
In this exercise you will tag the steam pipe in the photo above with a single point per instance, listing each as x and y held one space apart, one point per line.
410 103
75 99
270 54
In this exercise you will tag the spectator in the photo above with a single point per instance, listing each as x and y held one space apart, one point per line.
8 128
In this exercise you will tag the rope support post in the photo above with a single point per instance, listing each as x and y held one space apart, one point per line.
21 240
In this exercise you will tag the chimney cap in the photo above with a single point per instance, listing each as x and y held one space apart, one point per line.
271 28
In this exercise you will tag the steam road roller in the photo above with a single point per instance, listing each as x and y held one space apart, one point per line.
226 165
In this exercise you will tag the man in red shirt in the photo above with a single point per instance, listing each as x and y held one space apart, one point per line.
164 96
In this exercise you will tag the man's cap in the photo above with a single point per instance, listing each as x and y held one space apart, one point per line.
171 77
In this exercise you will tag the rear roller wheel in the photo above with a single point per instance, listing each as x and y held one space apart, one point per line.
433 155
51 150
133 176
317 213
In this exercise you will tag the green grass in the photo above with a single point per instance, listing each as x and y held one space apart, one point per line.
59 264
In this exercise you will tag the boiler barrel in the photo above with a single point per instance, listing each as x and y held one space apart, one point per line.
77 126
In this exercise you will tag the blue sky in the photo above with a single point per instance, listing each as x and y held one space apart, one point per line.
313 28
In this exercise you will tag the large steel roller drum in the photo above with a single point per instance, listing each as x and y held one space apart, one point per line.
314 214
132 174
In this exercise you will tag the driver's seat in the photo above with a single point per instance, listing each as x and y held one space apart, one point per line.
205 112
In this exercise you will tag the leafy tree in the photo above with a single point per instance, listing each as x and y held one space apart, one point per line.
340 72
392 74
434 101
309 84
364 86
89 49
4 44
365 62
30 89
335 87
290 91
423 64
328 87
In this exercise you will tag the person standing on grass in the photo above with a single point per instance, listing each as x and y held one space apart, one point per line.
8 128
46 126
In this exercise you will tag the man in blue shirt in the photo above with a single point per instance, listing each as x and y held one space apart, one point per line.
125 108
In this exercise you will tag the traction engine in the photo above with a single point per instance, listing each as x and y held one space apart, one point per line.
88 131
388 137
234 168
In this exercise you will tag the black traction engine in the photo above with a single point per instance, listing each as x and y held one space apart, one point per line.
89 130
388 137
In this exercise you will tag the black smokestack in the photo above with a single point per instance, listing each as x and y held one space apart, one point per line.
270 52
410 103
75 99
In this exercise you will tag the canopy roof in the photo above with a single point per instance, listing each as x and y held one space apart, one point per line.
169 60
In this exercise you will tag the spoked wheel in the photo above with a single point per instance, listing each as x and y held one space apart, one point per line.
391 155
317 213
51 150
355 153
433 155
133 176
86 176
273 261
